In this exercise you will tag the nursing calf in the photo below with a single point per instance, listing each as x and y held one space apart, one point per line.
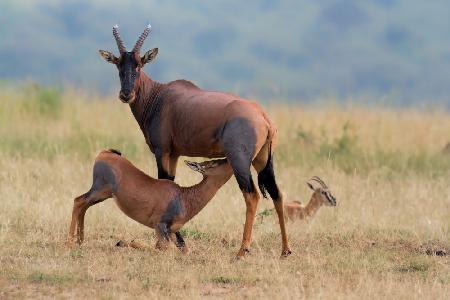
159 204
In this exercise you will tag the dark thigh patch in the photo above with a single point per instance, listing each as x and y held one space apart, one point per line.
238 138
173 210
103 175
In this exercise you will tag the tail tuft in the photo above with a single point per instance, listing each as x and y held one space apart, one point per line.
266 180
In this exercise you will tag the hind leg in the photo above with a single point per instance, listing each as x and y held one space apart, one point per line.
278 203
80 206
241 169
263 164
251 202
239 139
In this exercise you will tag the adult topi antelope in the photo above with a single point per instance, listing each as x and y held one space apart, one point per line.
178 118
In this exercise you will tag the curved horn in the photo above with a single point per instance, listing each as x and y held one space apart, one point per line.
320 181
119 41
141 39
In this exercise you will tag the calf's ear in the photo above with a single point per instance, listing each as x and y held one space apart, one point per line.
108 56
310 186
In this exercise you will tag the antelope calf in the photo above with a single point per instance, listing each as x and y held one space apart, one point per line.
295 210
159 204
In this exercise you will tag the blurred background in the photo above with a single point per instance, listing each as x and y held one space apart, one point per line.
394 51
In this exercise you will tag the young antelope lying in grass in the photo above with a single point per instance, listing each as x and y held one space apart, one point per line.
159 204
295 210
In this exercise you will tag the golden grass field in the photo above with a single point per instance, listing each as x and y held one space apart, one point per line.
387 237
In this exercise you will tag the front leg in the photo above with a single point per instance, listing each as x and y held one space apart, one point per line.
173 160
178 240
163 163
162 236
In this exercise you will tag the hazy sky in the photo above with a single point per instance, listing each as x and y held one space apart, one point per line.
294 49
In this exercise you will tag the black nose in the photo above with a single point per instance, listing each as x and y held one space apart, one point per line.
125 92
125 95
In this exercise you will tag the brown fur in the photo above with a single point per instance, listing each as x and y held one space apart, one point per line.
180 119
190 120
146 200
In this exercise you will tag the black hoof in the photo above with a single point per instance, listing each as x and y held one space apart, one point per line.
242 253
286 253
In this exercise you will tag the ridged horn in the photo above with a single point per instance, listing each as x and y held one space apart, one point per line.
119 41
141 39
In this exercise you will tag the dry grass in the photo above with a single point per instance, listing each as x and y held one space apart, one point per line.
385 166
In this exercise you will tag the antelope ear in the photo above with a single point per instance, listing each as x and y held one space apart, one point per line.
194 166
149 56
310 186
108 56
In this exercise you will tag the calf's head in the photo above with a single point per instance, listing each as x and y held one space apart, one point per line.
210 167
129 63
321 193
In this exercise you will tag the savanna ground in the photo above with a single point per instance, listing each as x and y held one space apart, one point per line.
388 237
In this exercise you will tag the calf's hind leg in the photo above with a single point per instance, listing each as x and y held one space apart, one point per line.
103 184
80 206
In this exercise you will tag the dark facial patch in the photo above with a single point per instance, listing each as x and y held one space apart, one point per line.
127 72
238 139
331 199
173 209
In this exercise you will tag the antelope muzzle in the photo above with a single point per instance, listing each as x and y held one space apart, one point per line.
127 96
